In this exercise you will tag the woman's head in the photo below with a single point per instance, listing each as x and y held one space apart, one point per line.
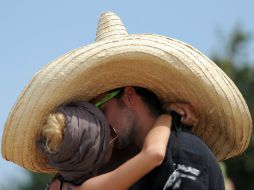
75 139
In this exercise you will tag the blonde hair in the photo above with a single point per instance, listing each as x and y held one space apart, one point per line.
53 131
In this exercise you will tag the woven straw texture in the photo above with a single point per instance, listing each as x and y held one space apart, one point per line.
174 70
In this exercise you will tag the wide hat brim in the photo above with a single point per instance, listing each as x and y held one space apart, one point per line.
174 70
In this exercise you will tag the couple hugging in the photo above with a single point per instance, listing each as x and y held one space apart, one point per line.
128 112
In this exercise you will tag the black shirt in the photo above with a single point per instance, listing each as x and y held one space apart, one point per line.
189 164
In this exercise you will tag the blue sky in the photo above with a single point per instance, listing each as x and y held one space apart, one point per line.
33 33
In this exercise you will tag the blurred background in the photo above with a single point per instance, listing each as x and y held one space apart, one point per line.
33 33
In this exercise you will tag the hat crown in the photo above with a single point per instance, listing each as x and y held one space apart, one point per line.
110 26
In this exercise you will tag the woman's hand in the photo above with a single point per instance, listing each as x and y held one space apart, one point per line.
189 115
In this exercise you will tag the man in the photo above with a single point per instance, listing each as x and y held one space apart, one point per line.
189 163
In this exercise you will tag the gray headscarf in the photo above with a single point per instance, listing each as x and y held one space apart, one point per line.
85 141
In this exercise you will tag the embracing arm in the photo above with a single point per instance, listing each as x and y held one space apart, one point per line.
151 155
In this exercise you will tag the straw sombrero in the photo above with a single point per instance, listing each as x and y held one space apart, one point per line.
172 69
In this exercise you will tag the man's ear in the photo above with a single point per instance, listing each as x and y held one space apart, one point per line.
130 95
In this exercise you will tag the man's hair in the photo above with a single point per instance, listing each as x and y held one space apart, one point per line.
148 97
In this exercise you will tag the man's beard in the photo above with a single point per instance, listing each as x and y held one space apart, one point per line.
129 125
123 142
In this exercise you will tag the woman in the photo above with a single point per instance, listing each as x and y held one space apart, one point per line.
78 141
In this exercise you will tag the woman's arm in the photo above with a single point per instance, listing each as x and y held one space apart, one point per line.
151 155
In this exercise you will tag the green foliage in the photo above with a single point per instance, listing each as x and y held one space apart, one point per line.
241 71
37 181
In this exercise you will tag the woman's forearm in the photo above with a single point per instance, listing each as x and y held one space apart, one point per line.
126 174
157 138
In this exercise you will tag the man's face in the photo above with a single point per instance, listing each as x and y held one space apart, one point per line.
122 119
